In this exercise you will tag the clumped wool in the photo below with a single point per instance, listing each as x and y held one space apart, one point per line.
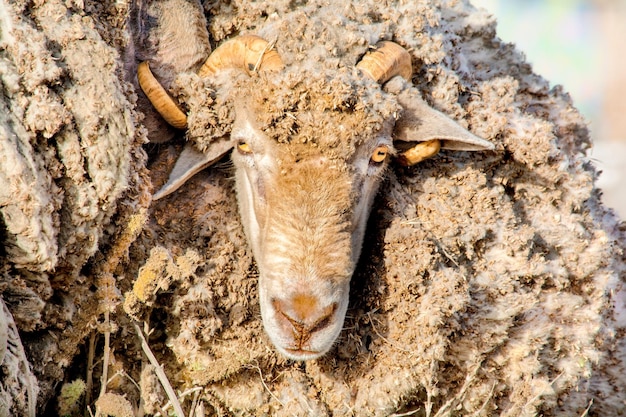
71 167
483 287
490 283
331 111
18 388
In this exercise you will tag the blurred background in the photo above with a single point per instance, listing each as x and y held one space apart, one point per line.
580 44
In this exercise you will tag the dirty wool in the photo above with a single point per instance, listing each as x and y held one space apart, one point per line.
490 283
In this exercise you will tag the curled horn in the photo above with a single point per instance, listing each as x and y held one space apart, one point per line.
383 63
248 52
419 152
386 61
162 102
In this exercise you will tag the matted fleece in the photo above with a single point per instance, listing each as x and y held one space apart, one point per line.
72 169
490 283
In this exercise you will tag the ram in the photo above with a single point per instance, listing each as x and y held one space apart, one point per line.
305 189
461 269
488 283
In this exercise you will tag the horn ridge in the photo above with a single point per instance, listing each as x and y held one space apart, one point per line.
160 99
386 61
248 52
419 152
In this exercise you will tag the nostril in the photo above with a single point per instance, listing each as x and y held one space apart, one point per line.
279 307
325 320
300 308
287 321
304 320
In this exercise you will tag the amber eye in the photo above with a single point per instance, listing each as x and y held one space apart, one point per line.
379 154
244 148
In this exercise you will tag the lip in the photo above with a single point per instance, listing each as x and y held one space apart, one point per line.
303 353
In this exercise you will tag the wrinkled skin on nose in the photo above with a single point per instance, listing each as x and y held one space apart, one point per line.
302 318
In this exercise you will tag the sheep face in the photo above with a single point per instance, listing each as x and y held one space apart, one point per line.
305 214
310 150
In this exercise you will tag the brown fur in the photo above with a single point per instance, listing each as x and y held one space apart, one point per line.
309 223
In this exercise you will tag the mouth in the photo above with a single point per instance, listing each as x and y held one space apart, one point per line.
302 354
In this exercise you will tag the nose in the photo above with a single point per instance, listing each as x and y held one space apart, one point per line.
303 315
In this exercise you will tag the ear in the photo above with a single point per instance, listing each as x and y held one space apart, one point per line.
430 128
190 162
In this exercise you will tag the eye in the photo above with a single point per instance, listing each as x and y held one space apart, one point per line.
244 148
379 155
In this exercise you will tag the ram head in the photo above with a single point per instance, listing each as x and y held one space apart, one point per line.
310 150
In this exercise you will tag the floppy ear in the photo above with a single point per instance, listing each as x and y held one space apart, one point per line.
190 162
430 128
